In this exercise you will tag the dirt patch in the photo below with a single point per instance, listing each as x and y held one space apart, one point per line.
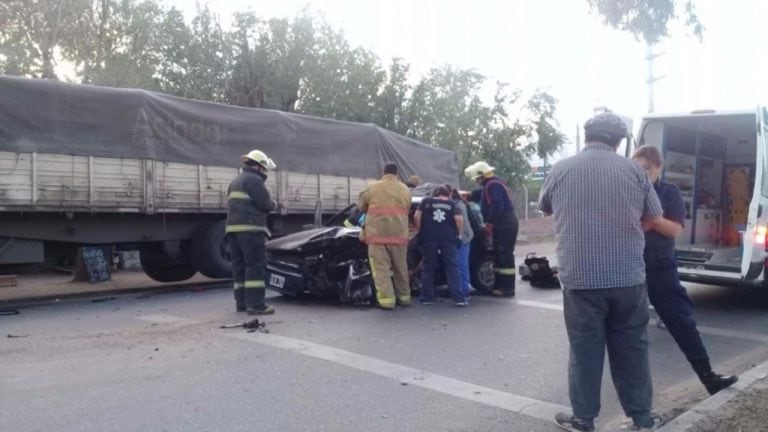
747 412
536 230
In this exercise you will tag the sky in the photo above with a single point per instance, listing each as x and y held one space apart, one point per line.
555 45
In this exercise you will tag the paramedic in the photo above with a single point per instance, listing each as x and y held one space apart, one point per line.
440 226
248 203
667 295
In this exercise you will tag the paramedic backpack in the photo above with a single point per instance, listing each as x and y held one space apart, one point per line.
539 273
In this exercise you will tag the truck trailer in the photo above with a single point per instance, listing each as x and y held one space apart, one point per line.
85 165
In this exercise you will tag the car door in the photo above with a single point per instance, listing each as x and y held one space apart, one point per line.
754 243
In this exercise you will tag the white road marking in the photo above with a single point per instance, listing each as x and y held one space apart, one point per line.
518 404
166 319
754 337
540 305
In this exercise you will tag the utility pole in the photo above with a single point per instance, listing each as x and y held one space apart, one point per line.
578 138
651 80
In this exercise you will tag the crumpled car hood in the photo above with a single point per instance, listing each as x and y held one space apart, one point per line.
303 241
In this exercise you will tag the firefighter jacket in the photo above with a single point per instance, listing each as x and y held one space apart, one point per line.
386 203
248 203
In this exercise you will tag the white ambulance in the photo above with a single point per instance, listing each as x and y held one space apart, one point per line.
719 161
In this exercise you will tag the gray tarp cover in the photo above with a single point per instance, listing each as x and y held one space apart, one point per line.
53 117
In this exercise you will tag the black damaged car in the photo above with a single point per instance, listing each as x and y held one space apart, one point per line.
330 260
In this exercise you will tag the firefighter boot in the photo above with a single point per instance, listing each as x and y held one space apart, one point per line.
240 299
254 301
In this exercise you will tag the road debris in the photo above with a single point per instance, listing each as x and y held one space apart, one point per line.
11 336
250 326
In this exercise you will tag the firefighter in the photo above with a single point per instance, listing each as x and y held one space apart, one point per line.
386 203
495 200
248 203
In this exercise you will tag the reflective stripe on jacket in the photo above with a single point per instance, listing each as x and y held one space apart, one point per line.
386 203
248 203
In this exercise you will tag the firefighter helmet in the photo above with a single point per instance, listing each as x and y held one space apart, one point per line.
260 158
479 169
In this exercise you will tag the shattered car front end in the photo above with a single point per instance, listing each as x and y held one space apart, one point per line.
324 261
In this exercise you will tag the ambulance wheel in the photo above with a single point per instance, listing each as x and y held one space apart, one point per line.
169 261
481 274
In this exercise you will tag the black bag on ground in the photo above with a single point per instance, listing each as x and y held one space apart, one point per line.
539 273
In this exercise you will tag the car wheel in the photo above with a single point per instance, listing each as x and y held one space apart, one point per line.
482 275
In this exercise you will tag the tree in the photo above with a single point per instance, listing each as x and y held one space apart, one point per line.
390 104
341 82
645 19
32 32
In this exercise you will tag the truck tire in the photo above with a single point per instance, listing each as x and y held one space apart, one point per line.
481 274
210 251
167 261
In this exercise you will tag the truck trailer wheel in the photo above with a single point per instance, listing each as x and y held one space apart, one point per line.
167 261
211 251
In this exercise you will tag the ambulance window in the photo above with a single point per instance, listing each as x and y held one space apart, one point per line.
653 134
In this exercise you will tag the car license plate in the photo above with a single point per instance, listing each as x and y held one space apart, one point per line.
276 281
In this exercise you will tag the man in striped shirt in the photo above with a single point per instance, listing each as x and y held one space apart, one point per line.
598 199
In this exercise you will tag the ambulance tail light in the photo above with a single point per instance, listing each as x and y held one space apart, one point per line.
760 236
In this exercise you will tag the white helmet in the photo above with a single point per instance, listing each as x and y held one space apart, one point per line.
478 169
260 158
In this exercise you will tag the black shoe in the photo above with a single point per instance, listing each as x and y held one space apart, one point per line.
572 423
501 293
714 382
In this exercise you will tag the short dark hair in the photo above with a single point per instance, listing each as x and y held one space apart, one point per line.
441 191
602 137
390 168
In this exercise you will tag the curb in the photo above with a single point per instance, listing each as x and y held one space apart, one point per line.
707 407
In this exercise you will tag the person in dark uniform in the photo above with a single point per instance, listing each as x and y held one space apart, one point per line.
501 222
440 225
665 292
248 203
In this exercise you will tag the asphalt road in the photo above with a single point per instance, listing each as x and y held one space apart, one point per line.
163 364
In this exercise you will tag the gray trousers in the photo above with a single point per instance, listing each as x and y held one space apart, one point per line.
616 318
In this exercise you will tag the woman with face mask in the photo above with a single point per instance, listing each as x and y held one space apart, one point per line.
665 292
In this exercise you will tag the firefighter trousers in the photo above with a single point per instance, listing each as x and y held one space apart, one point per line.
504 239
388 265
249 264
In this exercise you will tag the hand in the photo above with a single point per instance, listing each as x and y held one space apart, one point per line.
489 234
458 242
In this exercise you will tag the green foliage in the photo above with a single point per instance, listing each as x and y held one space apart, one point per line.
646 19
300 65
